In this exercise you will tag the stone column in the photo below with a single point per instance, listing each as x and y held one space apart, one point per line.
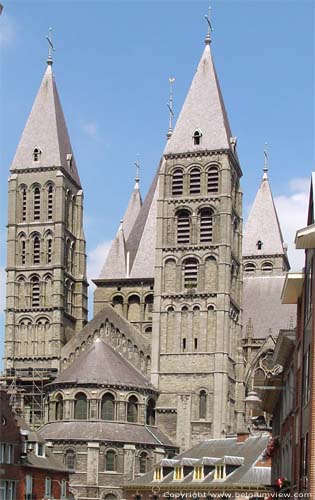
129 461
92 463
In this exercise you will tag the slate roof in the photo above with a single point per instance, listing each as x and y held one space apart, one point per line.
46 129
262 305
104 431
102 364
246 454
204 110
263 224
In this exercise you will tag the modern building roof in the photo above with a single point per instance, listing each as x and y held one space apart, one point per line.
263 225
102 364
46 130
203 110
263 312
104 431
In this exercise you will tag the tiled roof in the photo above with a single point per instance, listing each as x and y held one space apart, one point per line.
46 129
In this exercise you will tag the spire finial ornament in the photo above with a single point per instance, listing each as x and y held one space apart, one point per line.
265 176
210 29
137 178
51 47
170 108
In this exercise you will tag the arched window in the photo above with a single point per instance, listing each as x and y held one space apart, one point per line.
110 496
80 406
206 225
148 307
118 303
194 181
267 267
202 404
35 291
197 138
148 329
36 154
134 308
190 273
132 409
24 203
150 417
50 202
22 249
183 226
110 461
108 407
143 463
59 408
213 180
177 182
36 250
36 212
49 243
249 267
70 459
71 256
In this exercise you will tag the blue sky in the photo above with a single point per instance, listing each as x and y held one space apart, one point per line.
112 64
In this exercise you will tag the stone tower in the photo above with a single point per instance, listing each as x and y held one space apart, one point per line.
46 263
196 341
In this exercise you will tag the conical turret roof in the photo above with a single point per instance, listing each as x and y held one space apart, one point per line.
203 110
46 130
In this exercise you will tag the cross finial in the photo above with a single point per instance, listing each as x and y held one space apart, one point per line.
51 47
210 29
170 108
265 176
137 178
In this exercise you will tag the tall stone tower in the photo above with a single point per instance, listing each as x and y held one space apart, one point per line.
196 342
46 261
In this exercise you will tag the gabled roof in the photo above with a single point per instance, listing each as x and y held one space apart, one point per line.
102 364
203 110
263 225
46 129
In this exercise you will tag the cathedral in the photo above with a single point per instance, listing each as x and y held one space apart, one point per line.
186 307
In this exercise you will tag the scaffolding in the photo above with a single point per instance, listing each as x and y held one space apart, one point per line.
25 387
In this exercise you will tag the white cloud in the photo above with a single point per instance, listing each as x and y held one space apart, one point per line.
8 30
91 129
292 212
95 260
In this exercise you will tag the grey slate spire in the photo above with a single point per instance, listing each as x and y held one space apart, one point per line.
204 111
46 130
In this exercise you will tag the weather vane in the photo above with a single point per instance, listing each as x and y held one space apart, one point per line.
137 164
265 161
210 29
51 47
170 108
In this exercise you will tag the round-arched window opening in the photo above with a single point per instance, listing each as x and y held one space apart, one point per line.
250 267
132 409
267 267
197 138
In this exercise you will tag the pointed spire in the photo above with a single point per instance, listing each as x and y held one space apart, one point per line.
46 133
115 264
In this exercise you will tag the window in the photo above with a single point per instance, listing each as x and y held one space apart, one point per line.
197 138
206 225
143 463
70 459
249 267
219 472
304 461
148 308
184 345
49 250
24 204
40 450
50 202
178 473
177 182
59 407
194 181
150 418
8 490
183 226
202 405
306 378
36 250
2 452
36 213
23 251
108 407
47 487
80 406
36 154
132 409
259 245
110 497
158 474
35 291
63 487
9 454
190 273
198 472
213 180
28 487
267 267
110 461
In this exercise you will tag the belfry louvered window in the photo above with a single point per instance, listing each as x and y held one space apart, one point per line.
35 291
50 202
23 251
36 250
24 204
177 182
213 180
49 250
206 225
37 203
190 273
194 181
183 226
